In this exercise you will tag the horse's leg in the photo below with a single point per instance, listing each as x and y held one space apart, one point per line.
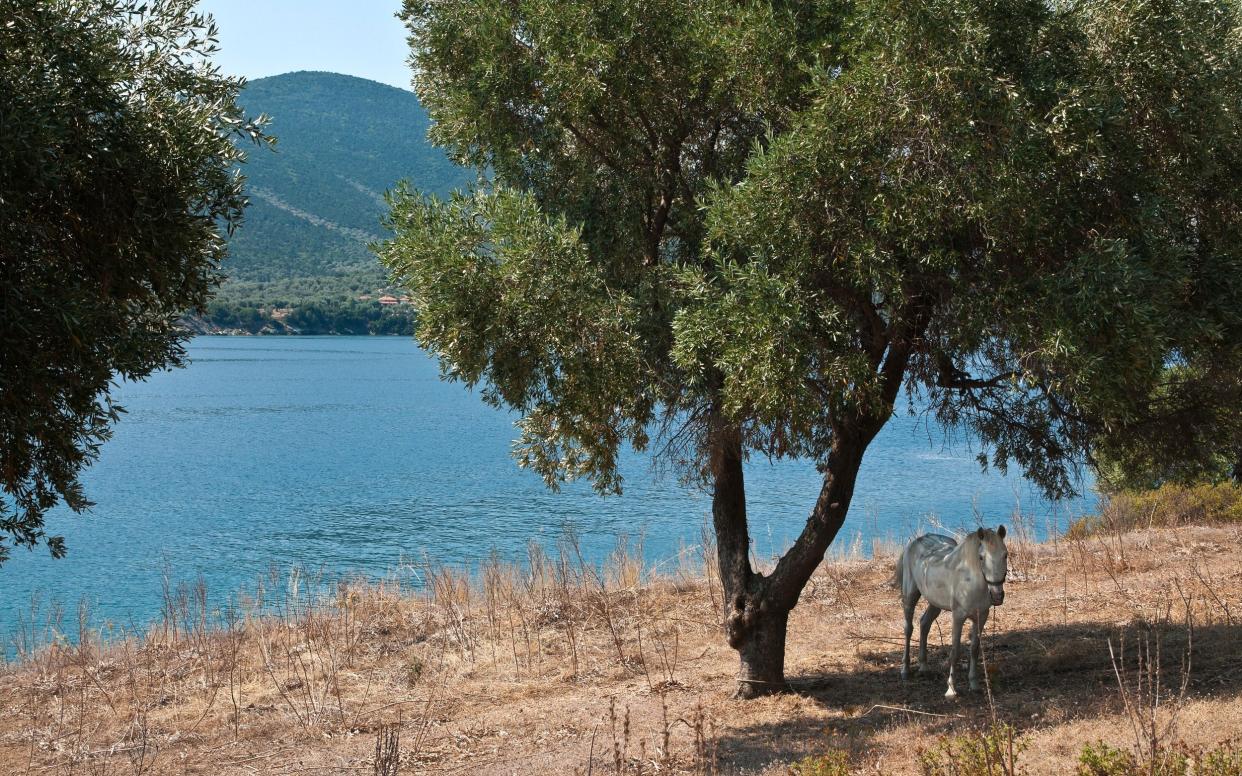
925 624
979 621
958 619
908 601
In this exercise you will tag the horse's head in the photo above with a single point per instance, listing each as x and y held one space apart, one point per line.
994 559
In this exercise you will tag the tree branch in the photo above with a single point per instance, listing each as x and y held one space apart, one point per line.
874 330
949 376
603 155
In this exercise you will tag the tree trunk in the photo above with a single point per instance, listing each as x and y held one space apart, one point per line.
761 671
763 657
757 606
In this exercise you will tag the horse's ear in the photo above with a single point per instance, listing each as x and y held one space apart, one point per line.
1000 531
982 532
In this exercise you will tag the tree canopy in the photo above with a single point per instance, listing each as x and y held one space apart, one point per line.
1043 195
1190 433
118 154
750 227
602 126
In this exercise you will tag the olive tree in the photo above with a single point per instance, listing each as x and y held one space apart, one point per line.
1190 432
751 228
117 178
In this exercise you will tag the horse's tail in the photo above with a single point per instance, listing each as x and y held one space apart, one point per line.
899 571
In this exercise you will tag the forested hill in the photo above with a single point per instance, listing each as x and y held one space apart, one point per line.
316 200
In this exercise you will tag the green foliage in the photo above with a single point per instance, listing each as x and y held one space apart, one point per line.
1191 432
1222 761
1170 505
990 752
1015 190
542 334
353 317
603 125
1012 208
831 764
1105 760
117 153
750 335
323 304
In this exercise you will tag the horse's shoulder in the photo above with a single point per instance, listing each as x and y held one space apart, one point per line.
937 540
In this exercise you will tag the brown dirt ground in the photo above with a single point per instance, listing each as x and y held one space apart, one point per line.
533 673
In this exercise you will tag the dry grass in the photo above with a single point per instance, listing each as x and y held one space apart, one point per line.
558 666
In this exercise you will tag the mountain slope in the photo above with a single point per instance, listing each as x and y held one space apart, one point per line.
317 199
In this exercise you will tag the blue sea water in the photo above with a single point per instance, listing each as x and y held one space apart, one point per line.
348 454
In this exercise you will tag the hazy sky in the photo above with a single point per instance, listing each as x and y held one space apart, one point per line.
265 37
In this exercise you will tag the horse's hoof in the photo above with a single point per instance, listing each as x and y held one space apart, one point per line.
974 686
923 669
904 674
951 694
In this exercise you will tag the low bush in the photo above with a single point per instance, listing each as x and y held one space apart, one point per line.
988 752
1105 760
1167 506
831 764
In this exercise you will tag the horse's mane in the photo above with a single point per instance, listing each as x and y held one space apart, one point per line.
969 544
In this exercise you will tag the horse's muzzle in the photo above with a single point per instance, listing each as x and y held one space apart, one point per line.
998 594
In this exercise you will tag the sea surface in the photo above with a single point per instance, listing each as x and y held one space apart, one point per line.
349 455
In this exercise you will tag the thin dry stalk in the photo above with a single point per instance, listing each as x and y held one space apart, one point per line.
1151 711
388 750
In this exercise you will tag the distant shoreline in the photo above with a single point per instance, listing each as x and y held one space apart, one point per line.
242 333
272 327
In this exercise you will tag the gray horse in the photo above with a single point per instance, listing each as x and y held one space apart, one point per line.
966 578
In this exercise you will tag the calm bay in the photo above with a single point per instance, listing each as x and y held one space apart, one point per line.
348 454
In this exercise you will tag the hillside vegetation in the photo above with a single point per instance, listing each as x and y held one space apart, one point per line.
344 302
317 200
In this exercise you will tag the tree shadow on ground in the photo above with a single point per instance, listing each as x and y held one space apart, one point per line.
1037 676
